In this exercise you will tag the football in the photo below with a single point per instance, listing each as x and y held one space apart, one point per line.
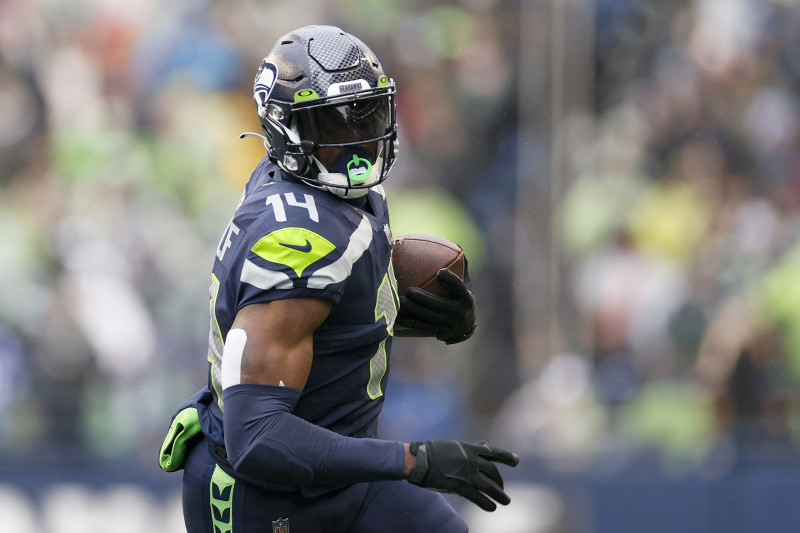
417 258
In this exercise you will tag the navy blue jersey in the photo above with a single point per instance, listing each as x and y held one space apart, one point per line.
288 240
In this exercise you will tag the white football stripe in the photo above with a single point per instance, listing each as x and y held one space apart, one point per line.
264 278
340 269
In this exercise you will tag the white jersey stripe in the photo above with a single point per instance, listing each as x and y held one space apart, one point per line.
340 269
264 278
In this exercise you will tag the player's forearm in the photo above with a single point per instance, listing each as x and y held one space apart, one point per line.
265 440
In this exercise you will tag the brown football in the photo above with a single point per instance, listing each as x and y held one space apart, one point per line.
418 257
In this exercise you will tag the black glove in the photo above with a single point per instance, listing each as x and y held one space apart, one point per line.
462 468
450 320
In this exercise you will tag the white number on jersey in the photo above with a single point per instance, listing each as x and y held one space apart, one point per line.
280 211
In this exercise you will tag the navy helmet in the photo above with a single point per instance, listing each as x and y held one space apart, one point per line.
327 110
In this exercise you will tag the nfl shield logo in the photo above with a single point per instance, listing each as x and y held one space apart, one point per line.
281 525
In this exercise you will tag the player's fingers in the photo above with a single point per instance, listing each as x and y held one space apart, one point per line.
491 489
475 496
489 470
411 323
432 301
500 456
452 282
410 308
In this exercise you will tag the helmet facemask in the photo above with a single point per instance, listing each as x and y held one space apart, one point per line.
345 143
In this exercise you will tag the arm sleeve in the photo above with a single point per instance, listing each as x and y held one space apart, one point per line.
264 440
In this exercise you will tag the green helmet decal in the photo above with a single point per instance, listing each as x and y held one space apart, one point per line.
305 94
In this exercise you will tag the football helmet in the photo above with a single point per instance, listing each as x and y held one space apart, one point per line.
327 110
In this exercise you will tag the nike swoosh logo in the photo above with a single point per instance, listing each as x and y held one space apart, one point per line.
305 248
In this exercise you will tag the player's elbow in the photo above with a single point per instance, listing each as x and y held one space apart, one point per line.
258 433
266 459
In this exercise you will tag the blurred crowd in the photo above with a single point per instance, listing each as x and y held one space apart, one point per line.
678 231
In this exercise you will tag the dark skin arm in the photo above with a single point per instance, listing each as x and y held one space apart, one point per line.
280 340
280 344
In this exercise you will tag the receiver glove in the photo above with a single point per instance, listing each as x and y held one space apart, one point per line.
463 468
450 320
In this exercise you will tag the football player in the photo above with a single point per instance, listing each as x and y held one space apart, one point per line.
303 309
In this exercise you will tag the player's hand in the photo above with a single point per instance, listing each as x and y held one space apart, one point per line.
462 468
450 320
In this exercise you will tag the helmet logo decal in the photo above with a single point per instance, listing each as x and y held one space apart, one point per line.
347 87
358 168
262 88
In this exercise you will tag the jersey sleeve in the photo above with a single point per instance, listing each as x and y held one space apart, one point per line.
300 256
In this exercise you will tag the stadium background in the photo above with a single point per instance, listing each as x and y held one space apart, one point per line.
623 174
